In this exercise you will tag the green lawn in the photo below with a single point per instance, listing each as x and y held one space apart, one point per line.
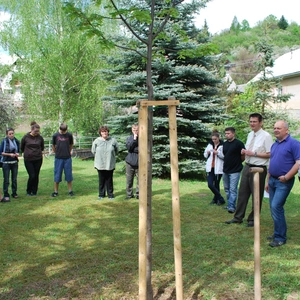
82 248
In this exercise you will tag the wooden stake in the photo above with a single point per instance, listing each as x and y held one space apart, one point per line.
143 193
256 196
175 200
143 184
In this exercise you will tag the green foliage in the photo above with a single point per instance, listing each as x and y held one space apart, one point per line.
228 40
245 25
266 84
283 24
184 73
199 51
242 105
169 57
235 25
7 111
57 64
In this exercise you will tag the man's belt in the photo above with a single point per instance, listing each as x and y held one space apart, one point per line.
255 166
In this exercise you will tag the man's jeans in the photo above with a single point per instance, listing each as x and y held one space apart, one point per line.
230 182
278 192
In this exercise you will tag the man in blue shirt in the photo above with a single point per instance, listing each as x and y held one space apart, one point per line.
284 164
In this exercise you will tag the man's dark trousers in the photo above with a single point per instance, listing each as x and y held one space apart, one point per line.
246 189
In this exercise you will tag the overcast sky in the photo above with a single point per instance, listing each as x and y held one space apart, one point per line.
220 13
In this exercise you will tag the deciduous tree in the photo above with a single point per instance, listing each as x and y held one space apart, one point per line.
57 64
267 87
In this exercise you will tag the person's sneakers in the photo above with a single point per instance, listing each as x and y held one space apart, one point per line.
111 198
5 199
71 194
100 198
15 196
221 202
270 237
54 194
276 243
129 197
233 221
213 202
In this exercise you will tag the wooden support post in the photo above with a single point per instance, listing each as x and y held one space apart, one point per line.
256 196
175 200
143 194
143 184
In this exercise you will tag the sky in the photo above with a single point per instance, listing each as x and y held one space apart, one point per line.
220 13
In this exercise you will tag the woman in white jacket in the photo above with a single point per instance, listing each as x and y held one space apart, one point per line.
214 167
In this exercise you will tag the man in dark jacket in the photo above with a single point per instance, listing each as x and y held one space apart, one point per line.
132 162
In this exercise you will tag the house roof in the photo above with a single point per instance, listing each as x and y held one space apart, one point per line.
287 65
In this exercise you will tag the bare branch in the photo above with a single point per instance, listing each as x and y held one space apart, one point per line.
127 24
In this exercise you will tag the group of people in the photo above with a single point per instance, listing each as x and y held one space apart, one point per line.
229 160
32 146
104 148
232 159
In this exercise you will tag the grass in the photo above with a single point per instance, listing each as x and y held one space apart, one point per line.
82 248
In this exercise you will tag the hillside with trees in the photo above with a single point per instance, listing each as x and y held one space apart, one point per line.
237 43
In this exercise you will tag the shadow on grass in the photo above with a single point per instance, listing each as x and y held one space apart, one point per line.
67 248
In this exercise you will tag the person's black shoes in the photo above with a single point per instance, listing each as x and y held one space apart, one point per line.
276 243
250 224
233 221
5 199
